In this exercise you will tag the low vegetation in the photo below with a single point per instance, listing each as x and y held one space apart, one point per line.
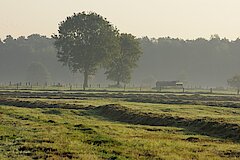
86 126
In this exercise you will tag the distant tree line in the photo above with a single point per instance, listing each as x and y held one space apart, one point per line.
207 62
204 62
26 59
31 59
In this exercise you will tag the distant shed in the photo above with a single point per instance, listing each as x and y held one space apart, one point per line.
162 84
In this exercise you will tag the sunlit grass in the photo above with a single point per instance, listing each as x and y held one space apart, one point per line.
80 135
223 114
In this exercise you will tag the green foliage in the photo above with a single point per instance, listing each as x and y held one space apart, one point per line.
235 82
206 62
121 66
18 54
84 42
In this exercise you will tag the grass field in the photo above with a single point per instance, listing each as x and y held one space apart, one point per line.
82 125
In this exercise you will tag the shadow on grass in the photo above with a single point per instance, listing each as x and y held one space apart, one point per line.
120 113
200 126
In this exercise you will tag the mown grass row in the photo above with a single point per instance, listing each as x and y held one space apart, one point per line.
188 99
124 114
200 126
53 133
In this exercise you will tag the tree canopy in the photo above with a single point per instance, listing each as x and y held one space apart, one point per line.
120 67
235 82
17 54
205 62
84 42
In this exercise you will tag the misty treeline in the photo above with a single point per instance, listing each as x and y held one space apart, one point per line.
24 59
197 62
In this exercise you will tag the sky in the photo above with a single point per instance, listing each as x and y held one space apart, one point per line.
185 19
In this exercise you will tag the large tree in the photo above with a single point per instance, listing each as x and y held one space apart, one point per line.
120 67
84 42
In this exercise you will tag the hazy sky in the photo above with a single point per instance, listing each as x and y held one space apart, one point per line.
187 19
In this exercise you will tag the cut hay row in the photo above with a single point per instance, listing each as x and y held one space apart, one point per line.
40 104
216 101
123 114
200 126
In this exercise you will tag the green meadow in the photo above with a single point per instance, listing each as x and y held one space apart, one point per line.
93 127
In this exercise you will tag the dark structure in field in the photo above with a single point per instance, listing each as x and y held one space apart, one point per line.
165 84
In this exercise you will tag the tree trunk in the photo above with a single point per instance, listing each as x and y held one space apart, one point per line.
118 81
85 83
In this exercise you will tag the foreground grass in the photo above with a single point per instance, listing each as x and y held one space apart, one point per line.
77 134
219 114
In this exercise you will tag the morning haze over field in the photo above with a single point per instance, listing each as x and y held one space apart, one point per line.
184 20
120 80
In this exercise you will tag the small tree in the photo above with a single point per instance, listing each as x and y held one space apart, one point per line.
37 73
235 82
120 67
84 42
